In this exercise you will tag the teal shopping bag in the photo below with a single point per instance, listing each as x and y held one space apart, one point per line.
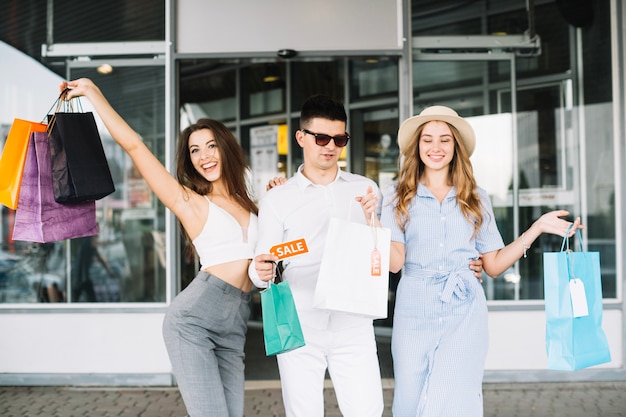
572 285
281 325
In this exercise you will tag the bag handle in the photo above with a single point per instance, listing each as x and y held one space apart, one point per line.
565 243
61 104
278 275
370 223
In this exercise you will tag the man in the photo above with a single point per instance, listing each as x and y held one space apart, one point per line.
341 343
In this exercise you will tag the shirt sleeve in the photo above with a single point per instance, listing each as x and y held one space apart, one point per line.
254 277
388 217
270 232
488 238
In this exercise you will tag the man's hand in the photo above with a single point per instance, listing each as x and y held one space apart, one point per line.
275 182
264 265
476 265
368 203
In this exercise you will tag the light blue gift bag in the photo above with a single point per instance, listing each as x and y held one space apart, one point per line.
574 340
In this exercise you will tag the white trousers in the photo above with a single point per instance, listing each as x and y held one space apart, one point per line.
347 348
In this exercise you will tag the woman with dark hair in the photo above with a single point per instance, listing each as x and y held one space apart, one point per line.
205 326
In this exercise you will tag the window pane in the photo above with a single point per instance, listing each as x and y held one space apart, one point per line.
377 130
316 77
115 21
208 88
31 272
262 89
127 261
373 77
600 195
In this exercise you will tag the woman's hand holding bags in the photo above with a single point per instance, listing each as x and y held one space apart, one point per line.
80 171
62 171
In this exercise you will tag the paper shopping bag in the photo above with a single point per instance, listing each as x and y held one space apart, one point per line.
354 273
573 297
281 325
12 160
80 170
38 217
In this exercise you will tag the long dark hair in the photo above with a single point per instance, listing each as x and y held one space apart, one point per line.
233 162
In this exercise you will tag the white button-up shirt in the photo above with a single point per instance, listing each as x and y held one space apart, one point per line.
300 209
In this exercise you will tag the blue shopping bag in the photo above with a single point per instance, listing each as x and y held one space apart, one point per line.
574 340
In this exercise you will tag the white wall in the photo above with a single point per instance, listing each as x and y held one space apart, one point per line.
216 26
82 343
132 343
518 340
27 88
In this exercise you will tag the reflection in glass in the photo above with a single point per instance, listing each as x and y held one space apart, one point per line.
207 89
600 192
437 75
377 130
373 77
32 272
262 89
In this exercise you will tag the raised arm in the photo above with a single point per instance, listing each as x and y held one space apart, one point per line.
164 185
496 262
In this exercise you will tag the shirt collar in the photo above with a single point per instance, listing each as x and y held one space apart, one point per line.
303 182
425 192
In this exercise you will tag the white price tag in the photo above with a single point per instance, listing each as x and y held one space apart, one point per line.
579 299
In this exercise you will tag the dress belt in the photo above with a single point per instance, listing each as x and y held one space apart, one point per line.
456 282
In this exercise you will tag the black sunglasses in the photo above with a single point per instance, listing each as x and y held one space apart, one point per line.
322 139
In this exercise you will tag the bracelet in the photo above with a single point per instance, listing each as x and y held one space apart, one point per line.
524 245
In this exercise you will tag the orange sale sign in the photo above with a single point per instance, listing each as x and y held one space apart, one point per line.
287 249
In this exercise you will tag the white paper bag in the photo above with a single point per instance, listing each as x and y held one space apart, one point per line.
345 281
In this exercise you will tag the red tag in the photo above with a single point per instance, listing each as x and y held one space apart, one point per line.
375 263
287 249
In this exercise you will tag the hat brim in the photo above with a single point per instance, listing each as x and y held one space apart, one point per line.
407 130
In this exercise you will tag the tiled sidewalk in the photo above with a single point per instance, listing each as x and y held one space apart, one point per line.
263 398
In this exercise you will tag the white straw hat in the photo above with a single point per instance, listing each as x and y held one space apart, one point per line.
406 133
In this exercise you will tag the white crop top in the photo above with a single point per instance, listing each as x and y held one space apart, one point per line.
222 238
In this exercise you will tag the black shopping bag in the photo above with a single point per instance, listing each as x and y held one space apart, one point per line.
80 171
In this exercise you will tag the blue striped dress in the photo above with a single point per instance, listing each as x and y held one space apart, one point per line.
440 336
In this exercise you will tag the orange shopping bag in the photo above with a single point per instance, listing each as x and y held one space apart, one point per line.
12 160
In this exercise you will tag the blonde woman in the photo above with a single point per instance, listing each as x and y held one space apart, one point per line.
439 219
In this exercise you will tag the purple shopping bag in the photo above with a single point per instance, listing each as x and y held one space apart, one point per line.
39 218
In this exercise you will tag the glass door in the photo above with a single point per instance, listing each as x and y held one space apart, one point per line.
547 162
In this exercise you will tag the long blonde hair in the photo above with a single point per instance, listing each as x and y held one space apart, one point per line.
460 175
